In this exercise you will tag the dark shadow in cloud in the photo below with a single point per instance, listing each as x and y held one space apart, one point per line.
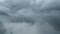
22 19
56 23
2 30
4 13
52 17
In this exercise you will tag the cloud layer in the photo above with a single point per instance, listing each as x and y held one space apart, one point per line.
46 14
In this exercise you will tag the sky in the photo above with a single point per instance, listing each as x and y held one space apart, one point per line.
29 16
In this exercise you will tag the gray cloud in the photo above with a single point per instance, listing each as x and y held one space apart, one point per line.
16 11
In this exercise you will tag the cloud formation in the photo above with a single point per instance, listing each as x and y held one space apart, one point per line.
31 11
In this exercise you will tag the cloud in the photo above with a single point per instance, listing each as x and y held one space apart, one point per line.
51 5
52 17
24 11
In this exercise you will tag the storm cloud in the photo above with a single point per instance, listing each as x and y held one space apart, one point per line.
30 16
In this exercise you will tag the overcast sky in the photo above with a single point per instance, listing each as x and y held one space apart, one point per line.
30 16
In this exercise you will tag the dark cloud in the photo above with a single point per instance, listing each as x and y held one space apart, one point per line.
53 17
18 11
